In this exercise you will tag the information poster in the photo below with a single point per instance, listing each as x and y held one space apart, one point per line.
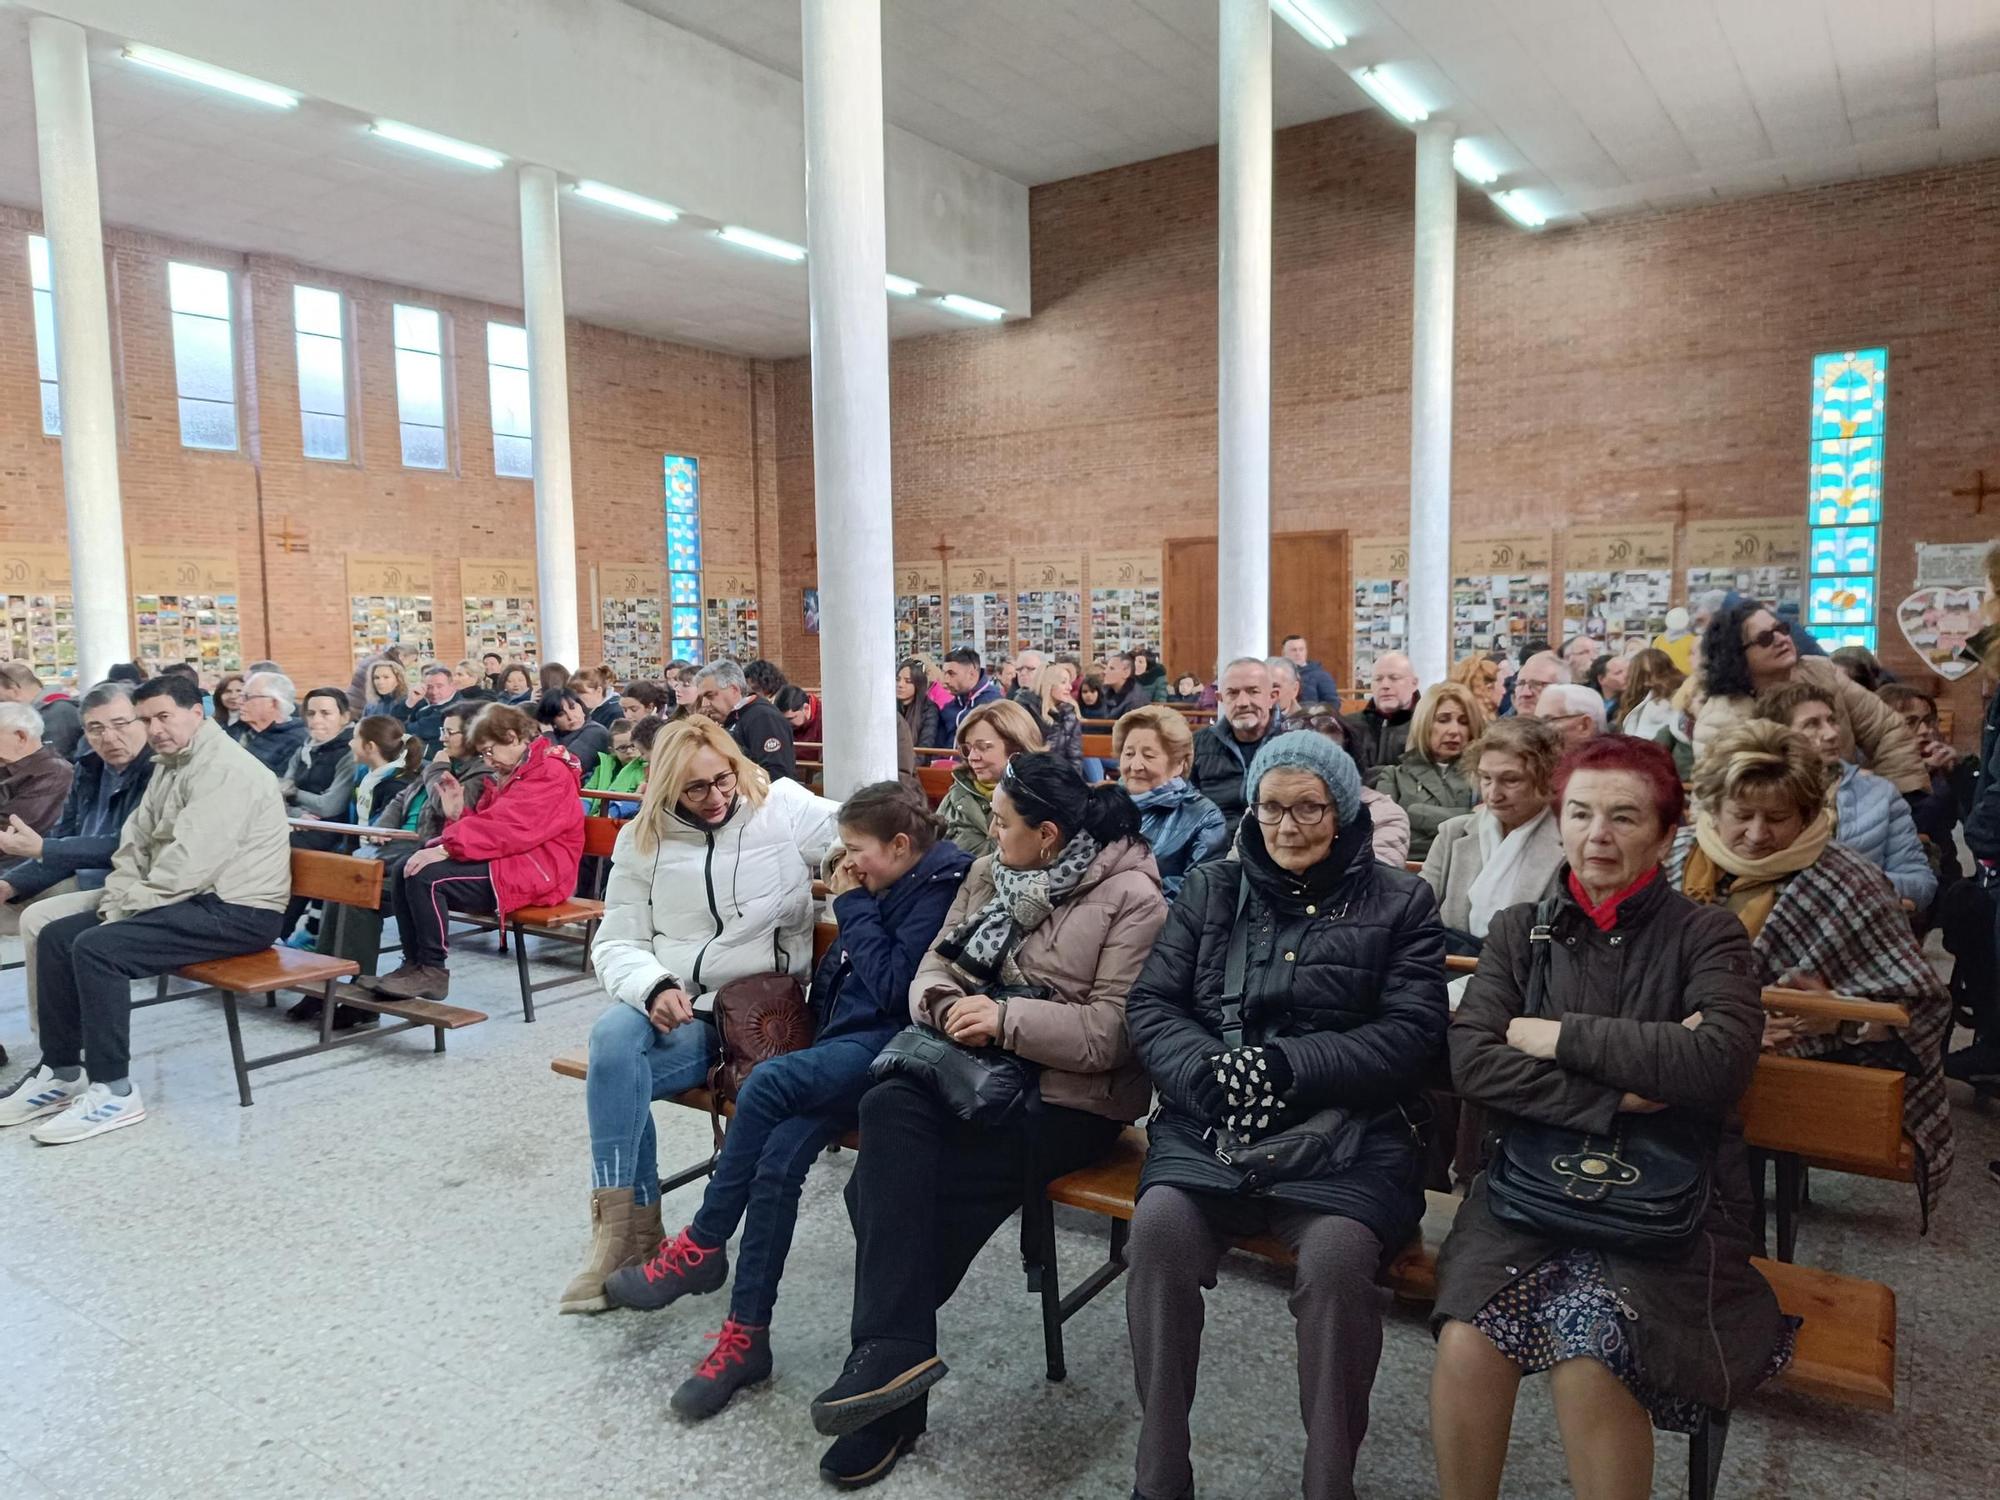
1125 602
1381 568
1763 559
1499 592
41 623
630 604
500 607
982 605
390 604
920 610
1048 604
185 609
729 611
1618 584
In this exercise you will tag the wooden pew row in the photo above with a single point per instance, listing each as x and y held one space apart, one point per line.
558 921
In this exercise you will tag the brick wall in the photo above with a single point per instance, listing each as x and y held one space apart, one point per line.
290 521
1657 366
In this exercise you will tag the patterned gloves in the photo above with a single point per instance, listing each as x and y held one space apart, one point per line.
1254 1082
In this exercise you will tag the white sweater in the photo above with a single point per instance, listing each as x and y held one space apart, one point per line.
706 908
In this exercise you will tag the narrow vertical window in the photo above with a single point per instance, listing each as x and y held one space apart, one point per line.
1844 506
419 335
318 320
513 422
204 355
683 493
45 333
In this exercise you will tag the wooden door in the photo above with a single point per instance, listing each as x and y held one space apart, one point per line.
1310 594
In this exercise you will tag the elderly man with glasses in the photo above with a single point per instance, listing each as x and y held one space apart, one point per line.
267 725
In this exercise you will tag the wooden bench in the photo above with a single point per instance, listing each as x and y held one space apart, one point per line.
1098 747
1846 1350
936 781
600 836
337 879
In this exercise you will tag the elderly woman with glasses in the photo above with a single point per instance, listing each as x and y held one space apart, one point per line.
1746 651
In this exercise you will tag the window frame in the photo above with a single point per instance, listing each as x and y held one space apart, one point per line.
228 319
344 321
442 354
40 296
493 400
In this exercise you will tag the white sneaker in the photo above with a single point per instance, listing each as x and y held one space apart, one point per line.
93 1112
40 1093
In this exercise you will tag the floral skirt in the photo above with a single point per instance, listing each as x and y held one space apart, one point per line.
1565 1309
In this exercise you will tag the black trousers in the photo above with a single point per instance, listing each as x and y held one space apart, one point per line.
928 1191
84 968
424 903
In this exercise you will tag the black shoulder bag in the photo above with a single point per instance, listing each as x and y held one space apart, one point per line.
1643 1190
983 1085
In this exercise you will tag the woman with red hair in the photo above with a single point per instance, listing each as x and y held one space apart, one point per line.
1645 1015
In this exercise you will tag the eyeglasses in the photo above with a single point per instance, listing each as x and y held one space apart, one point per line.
108 726
1305 814
700 791
1763 640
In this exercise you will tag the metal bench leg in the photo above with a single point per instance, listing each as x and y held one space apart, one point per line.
160 989
686 1175
325 1013
1046 1276
236 1049
521 962
439 1047
1790 1169
1705 1455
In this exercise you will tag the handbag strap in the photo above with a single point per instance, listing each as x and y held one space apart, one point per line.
1541 944
1234 965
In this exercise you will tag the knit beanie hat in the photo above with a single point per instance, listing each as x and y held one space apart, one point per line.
1306 750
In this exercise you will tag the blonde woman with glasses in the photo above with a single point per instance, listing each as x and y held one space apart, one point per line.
711 882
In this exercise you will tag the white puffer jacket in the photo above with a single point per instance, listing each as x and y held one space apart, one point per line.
706 908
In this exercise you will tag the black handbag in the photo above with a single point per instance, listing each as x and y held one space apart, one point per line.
985 1085
1643 1190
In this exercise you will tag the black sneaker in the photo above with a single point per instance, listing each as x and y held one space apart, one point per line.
347 1017
679 1268
871 1454
306 1010
741 1356
880 1376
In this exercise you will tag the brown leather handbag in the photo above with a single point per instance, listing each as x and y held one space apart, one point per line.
758 1017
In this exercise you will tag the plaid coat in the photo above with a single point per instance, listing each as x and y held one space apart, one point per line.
1839 919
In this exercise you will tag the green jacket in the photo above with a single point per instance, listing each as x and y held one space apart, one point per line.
1428 792
966 814
611 774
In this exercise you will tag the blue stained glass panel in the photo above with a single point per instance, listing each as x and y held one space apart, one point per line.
686 588
692 649
1843 549
1833 637
1846 482
683 479
683 545
1850 391
687 622
1841 601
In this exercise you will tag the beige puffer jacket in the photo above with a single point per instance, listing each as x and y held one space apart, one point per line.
1087 955
1887 746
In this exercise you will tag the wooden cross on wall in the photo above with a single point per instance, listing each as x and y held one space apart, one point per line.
1977 492
944 549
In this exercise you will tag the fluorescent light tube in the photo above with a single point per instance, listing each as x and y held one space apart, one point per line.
1386 92
1308 25
972 307
1472 164
440 145
899 286
215 78
632 203
1519 209
750 239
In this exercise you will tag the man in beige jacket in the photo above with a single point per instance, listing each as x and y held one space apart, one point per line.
203 871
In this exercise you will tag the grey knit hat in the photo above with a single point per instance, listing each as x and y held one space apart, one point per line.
1305 750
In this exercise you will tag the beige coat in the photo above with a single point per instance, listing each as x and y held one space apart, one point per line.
212 822
1087 955
1886 744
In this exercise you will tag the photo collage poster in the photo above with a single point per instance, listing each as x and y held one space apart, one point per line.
390 602
1617 584
1760 558
499 597
41 616
1126 602
1499 592
729 612
920 620
186 608
634 618
981 611
1381 569
1048 604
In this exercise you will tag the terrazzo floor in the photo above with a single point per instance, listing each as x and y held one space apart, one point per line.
349 1290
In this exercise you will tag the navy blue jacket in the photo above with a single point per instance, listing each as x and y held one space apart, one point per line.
273 747
862 987
1316 685
984 691
66 852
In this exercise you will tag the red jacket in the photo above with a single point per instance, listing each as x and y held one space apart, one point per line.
529 830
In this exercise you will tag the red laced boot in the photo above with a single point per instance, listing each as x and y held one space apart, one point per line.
741 1356
679 1268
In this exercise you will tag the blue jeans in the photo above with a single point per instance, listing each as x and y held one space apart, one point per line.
790 1108
631 1065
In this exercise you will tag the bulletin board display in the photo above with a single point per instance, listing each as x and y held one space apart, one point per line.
390 603
1048 604
1761 558
186 608
1126 594
500 607
41 616
729 623
920 610
981 613
632 608
1499 591
1618 584
1381 568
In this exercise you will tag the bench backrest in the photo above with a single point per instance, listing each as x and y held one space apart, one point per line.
339 878
936 781
825 935
1832 1112
600 835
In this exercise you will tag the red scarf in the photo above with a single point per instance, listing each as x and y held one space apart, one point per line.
1606 915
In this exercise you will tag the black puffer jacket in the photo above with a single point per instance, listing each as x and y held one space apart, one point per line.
1345 974
1220 763
1375 738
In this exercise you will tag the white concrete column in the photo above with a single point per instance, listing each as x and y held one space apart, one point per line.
847 258
1430 404
75 232
548 400
1243 383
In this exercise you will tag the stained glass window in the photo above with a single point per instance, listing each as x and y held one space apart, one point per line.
683 504
1844 495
